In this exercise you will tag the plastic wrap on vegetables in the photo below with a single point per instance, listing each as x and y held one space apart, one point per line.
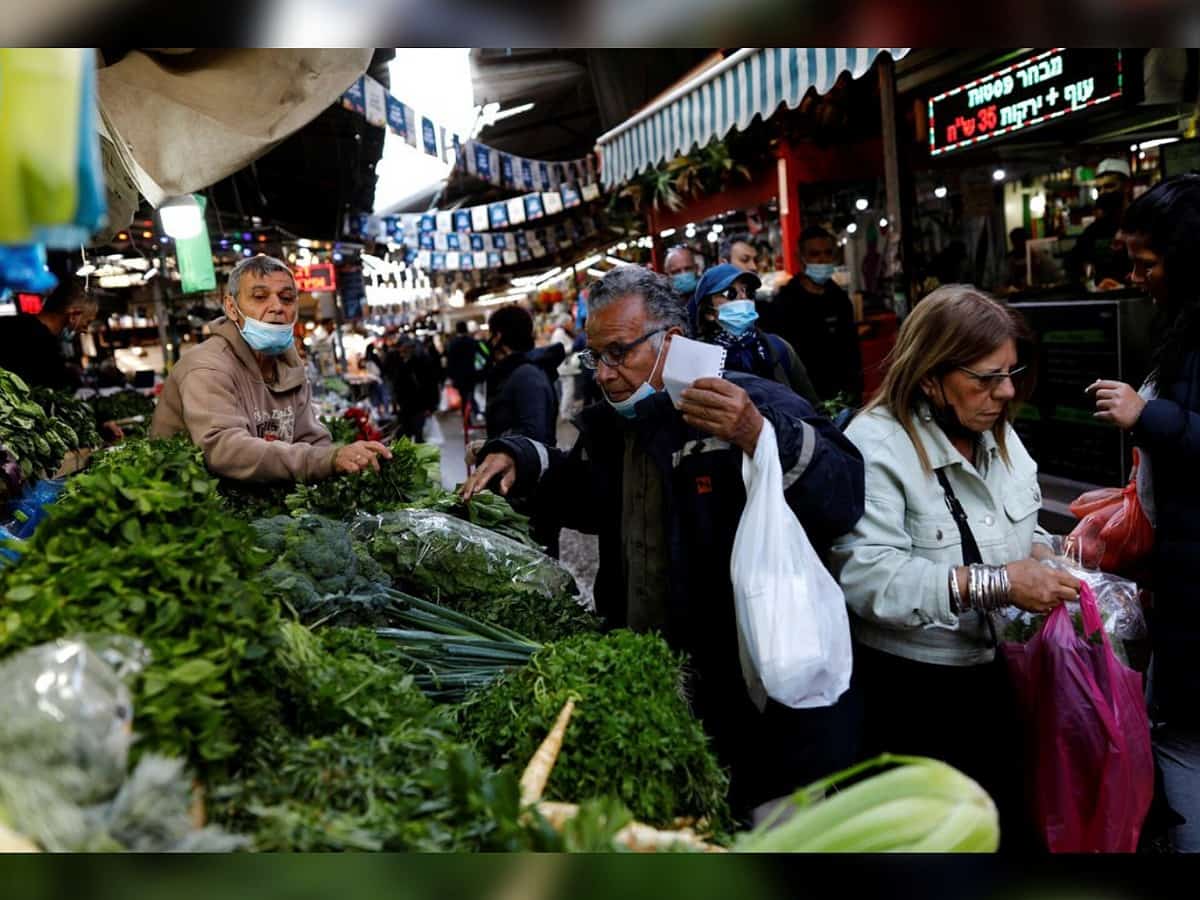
66 717
1117 598
475 571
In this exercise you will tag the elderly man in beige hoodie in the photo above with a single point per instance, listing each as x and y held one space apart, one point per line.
243 397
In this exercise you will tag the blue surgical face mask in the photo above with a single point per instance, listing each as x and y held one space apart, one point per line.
266 337
685 283
627 407
819 272
737 316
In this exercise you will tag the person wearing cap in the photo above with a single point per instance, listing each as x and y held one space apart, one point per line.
1098 258
722 312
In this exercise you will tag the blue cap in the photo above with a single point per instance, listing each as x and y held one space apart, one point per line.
716 281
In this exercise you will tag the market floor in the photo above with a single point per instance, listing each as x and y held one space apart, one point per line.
579 553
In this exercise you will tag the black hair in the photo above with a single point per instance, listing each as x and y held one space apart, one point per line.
461 328
1168 217
738 237
69 291
515 327
814 233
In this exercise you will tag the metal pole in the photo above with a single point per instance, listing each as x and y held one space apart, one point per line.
161 315
893 263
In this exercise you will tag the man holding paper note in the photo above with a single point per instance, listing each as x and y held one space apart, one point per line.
657 473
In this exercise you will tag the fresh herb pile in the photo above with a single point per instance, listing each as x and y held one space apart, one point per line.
632 734
487 510
34 445
125 405
251 500
475 571
72 418
141 545
361 760
413 471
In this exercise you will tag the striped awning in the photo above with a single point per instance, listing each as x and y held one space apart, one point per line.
754 81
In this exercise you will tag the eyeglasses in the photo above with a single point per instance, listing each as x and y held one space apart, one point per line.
614 354
737 292
993 380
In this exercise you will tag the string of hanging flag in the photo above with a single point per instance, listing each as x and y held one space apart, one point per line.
435 249
372 100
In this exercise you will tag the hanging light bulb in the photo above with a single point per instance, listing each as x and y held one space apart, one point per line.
999 175
851 228
861 204
940 192
180 216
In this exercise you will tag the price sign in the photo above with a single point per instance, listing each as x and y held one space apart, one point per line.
1030 92
316 278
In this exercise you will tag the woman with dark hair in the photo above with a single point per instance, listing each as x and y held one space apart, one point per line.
1161 231
949 539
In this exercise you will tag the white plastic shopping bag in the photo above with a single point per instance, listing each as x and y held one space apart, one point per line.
793 629
433 432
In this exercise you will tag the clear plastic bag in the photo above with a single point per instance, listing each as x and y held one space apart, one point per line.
1118 601
458 557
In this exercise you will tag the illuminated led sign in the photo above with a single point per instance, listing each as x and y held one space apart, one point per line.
1027 93
315 278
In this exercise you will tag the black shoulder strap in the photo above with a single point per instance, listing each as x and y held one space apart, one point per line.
970 548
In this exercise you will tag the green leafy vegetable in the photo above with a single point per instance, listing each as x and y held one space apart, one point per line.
474 571
141 545
632 734
341 429
413 471
73 418
126 404
34 442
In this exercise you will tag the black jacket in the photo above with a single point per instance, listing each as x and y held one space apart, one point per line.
1168 431
460 362
521 398
703 499
821 329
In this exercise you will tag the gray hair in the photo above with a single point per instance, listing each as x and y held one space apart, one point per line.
663 309
259 265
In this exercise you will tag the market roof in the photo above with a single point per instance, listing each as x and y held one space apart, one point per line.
729 94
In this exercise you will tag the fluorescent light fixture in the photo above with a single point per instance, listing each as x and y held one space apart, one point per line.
180 216
667 233
999 175
718 227
1157 142
861 203
596 273
511 111
1037 205
940 192
612 260
1095 193
622 246
713 237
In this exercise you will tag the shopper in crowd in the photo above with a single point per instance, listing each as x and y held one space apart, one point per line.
665 500
723 312
1162 232
738 250
1098 257
1017 277
460 361
414 382
243 397
31 346
522 397
816 317
564 335
682 267
950 536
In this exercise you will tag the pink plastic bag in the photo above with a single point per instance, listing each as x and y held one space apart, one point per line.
1090 769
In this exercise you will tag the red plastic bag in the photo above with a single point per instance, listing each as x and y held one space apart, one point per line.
452 399
1090 769
1114 534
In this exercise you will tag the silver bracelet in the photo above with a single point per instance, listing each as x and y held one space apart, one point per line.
989 588
956 600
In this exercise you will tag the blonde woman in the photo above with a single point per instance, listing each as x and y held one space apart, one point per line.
949 539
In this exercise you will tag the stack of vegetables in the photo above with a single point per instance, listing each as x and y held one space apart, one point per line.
378 677
32 445
128 406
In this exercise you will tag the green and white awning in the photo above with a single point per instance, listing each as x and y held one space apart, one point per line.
751 82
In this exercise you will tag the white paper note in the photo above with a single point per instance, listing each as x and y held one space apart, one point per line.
689 361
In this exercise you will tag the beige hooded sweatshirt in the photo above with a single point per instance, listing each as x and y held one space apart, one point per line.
249 430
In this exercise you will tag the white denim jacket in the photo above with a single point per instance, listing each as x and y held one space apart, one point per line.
894 565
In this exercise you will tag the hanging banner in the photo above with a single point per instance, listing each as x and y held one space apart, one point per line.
194 256
369 98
